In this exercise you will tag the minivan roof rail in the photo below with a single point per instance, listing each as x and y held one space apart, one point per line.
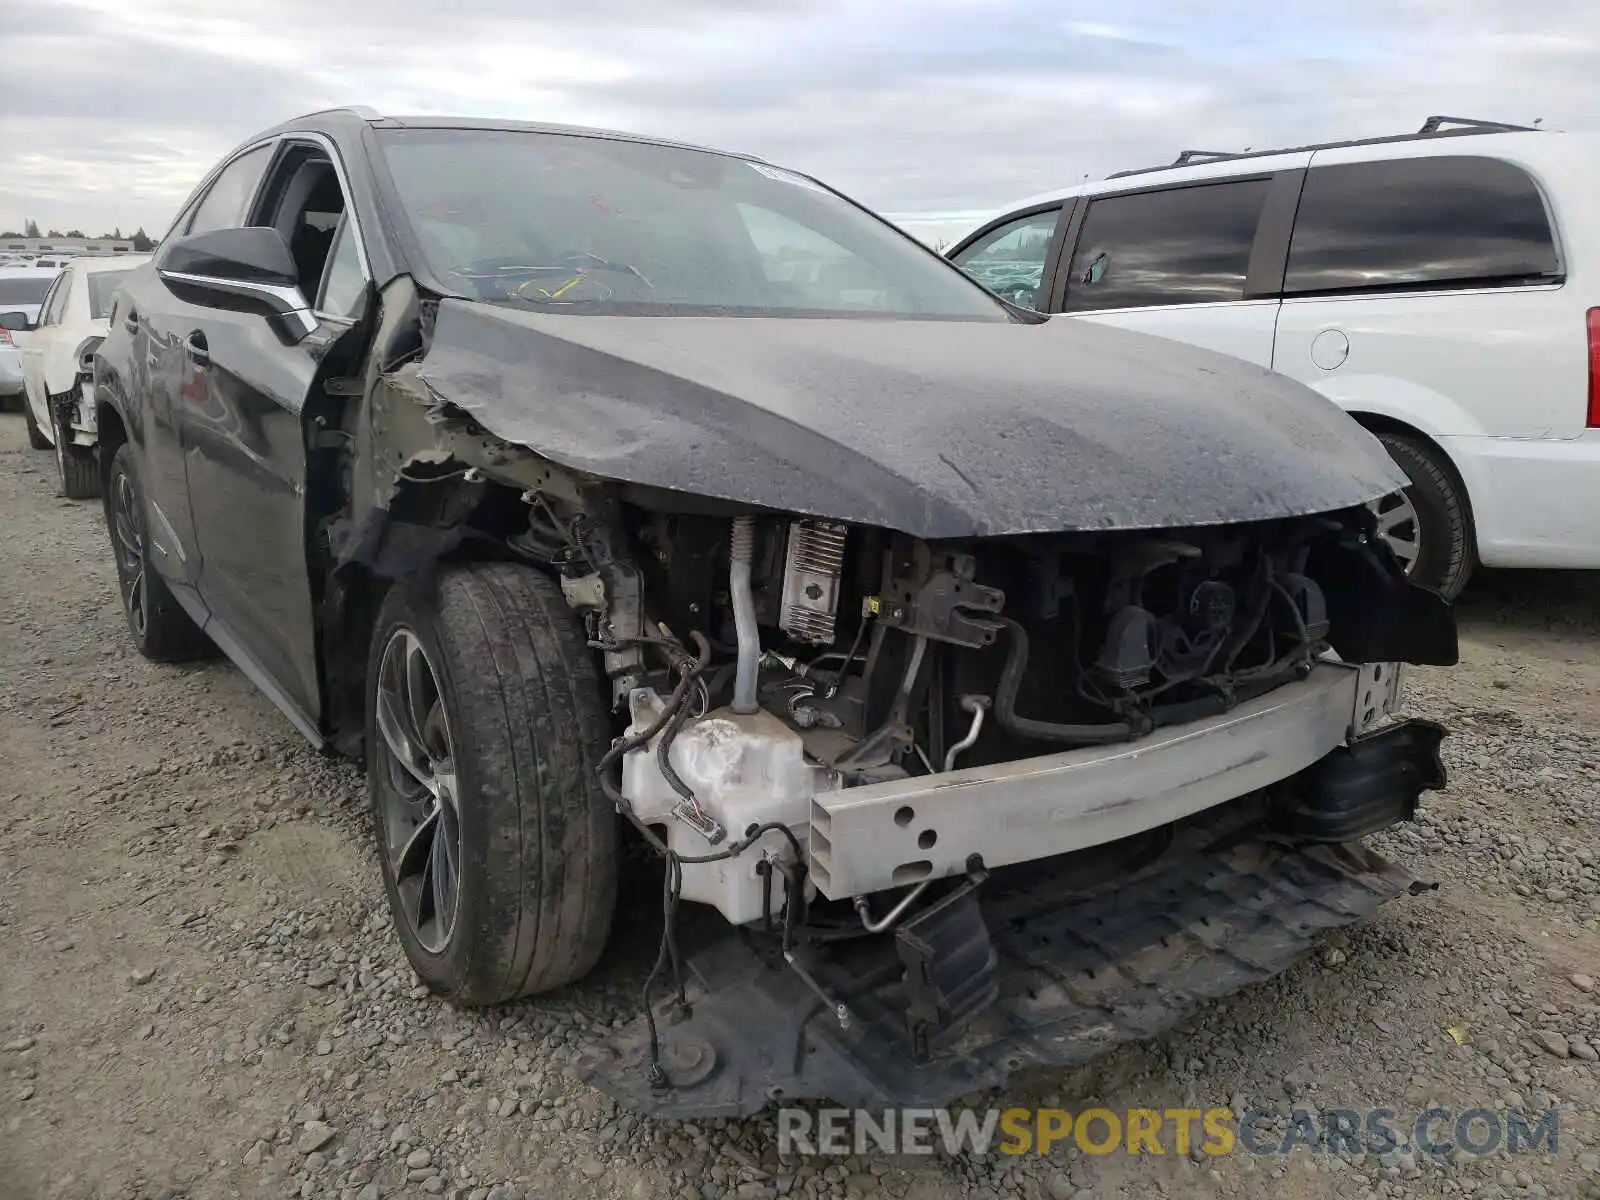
1433 127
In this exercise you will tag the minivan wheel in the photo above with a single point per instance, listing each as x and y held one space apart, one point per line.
1429 524
76 465
161 630
484 724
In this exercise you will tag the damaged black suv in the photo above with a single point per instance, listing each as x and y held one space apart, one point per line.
1008 684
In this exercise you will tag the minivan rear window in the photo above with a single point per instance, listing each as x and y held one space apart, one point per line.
1185 245
1454 221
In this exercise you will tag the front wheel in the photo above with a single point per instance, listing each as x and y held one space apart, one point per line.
484 725
1428 525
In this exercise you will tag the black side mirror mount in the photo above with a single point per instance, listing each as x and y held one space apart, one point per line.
247 268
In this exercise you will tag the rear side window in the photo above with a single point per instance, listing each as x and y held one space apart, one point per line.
102 286
1010 259
1187 245
1420 222
224 205
57 307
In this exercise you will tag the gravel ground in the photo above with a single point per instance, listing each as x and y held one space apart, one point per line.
200 995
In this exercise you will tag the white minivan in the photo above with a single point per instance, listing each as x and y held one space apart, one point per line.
1441 286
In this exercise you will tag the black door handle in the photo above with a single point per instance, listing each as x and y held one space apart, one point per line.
195 347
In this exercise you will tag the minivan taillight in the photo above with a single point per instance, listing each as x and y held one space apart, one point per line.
1594 368
5 340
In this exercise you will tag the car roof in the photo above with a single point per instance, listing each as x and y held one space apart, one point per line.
93 264
351 119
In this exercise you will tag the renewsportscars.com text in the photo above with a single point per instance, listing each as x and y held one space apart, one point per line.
1434 1131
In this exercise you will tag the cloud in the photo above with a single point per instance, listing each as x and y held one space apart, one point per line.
936 111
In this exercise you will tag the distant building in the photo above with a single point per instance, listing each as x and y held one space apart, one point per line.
66 245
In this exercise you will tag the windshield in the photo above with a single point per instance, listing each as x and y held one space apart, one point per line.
25 289
102 287
586 224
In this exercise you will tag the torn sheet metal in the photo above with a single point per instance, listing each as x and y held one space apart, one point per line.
939 429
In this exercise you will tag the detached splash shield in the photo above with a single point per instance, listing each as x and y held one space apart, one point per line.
1071 984
1018 972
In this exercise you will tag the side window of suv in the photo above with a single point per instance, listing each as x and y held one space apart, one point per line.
224 205
344 287
1419 222
1009 260
1186 245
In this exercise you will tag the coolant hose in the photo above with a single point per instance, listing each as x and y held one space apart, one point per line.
1005 701
741 551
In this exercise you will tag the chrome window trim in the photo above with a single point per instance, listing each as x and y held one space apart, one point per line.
323 141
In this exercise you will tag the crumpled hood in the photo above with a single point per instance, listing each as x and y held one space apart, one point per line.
935 428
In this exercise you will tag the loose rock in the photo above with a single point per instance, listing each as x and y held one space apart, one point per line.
315 1137
1552 1042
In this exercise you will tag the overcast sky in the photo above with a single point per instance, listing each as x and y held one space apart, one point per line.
937 109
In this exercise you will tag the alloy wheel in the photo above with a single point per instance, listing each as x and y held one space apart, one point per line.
128 523
419 802
1401 527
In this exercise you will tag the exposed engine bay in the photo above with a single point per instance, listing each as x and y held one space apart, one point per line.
818 714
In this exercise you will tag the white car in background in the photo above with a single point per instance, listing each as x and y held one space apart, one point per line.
58 366
22 293
1438 285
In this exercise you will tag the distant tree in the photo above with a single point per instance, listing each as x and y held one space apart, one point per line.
116 234
142 242
73 233
55 233
11 233
31 228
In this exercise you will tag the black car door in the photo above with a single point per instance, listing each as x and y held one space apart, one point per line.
163 376
246 442
154 369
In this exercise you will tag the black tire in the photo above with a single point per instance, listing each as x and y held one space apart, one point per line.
162 631
517 699
76 465
36 437
1448 543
